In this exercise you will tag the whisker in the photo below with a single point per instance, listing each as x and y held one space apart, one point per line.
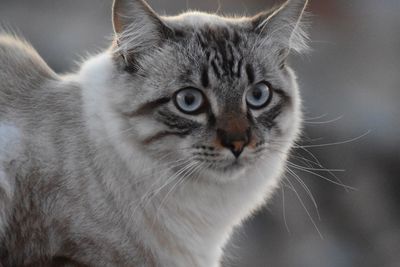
338 182
316 118
306 189
314 169
338 143
321 166
173 177
327 179
284 210
324 122
308 162
305 208
187 173
151 191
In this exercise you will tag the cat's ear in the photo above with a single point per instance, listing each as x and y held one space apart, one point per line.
137 26
283 28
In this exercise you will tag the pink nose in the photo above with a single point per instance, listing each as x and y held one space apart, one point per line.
234 141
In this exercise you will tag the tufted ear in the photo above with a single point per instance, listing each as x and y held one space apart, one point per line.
137 26
283 28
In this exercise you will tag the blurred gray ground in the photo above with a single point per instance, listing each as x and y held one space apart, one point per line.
353 74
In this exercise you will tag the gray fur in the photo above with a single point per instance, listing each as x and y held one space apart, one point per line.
99 168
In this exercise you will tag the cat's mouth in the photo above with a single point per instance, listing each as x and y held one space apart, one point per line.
228 166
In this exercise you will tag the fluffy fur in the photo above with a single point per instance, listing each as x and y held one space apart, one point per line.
100 168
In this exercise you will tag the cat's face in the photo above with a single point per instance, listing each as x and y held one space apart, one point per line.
212 95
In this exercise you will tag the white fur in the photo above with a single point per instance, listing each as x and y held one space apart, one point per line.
182 219
200 216
198 19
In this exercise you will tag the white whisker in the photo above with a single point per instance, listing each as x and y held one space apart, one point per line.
284 210
324 122
338 143
306 189
305 208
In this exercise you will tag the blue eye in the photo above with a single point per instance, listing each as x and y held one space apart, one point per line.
259 96
189 100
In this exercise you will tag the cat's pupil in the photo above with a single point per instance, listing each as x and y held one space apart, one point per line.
257 93
190 99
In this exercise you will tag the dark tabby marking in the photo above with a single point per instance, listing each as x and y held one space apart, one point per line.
148 108
75 190
250 73
174 121
205 81
221 47
161 135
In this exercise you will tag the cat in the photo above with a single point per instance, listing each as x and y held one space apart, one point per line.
157 148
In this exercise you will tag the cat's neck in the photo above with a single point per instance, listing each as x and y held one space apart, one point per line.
199 217
183 224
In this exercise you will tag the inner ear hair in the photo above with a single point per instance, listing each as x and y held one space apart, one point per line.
138 28
283 57
283 27
126 13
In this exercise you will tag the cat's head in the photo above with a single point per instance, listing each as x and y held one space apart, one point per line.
204 92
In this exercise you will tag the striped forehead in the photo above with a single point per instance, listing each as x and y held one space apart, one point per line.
223 55
225 70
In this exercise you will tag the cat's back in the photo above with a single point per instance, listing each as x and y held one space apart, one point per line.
19 60
22 70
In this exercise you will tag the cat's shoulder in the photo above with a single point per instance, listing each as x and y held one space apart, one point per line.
19 61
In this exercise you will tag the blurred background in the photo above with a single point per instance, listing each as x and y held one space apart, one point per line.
350 83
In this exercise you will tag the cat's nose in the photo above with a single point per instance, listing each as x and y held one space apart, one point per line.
234 141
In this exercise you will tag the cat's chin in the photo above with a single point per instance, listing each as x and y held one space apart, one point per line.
226 173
